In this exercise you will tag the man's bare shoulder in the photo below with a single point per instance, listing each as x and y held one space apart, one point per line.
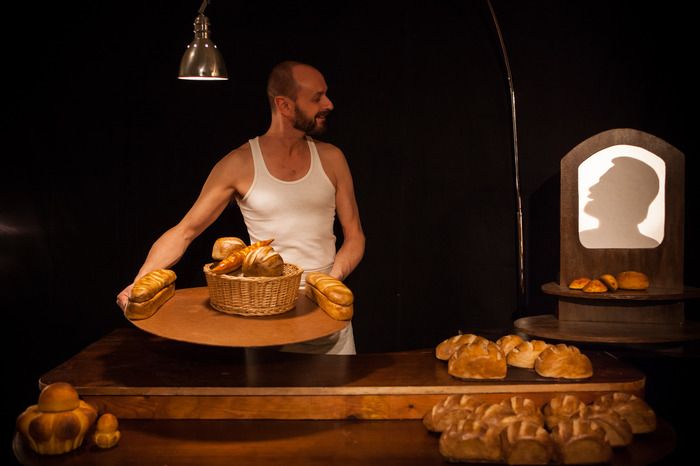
328 150
239 157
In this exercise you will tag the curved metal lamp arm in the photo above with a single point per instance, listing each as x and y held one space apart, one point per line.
521 240
203 7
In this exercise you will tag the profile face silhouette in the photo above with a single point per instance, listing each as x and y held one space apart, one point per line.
620 201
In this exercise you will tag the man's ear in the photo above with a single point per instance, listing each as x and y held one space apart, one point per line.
284 105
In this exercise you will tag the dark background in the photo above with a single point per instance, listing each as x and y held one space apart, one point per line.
106 149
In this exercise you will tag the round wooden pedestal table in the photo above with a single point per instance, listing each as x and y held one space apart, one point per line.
189 317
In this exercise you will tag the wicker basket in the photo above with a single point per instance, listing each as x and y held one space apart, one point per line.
254 296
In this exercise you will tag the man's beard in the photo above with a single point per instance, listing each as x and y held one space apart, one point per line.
309 125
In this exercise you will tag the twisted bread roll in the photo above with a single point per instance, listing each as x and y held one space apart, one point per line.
579 441
522 409
263 262
563 361
330 294
633 409
525 353
618 431
561 408
447 348
224 247
480 359
470 440
450 410
525 442
508 342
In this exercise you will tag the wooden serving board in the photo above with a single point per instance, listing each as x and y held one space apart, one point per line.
136 375
188 317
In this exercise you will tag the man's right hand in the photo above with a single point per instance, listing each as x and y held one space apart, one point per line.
123 297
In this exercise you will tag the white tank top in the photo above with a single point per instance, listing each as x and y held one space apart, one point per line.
298 214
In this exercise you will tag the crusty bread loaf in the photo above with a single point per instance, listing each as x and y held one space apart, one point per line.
579 441
330 294
450 410
470 440
563 361
263 262
595 286
150 284
632 280
618 431
508 342
525 353
447 348
223 247
480 359
633 409
144 310
579 283
561 408
609 280
526 442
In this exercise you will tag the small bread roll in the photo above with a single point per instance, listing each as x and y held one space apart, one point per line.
631 280
579 441
609 280
480 359
595 286
106 433
330 294
447 348
522 409
263 262
525 442
469 441
633 409
449 411
525 353
225 246
563 361
508 342
144 310
561 408
618 431
579 283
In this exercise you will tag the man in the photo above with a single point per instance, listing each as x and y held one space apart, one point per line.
288 187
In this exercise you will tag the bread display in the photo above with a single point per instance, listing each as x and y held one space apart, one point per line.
526 442
106 433
234 261
633 409
579 441
561 408
450 410
508 342
579 283
58 422
471 440
149 293
595 286
525 353
330 294
618 431
563 361
609 281
447 348
263 262
480 359
224 247
632 280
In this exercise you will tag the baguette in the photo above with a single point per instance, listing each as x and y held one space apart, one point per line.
330 294
145 309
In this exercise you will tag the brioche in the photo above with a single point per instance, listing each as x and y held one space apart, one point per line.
150 284
579 283
106 433
618 431
58 422
263 262
450 410
144 310
525 353
561 408
508 342
525 442
595 286
609 280
633 409
631 280
470 440
330 294
223 247
480 359
447 348
563 361
579 441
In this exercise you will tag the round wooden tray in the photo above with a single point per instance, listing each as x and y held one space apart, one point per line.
189 317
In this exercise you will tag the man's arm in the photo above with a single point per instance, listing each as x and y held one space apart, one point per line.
213 198
353 248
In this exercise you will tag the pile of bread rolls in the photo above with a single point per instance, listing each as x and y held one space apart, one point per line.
517 431
471 356
258 259
628 280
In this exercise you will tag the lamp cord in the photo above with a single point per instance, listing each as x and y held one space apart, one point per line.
519 204
203 6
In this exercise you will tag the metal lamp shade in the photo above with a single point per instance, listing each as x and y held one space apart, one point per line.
202 60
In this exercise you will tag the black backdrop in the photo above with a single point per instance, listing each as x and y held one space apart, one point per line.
106 149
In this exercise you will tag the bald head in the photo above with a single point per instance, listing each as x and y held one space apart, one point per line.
284 80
